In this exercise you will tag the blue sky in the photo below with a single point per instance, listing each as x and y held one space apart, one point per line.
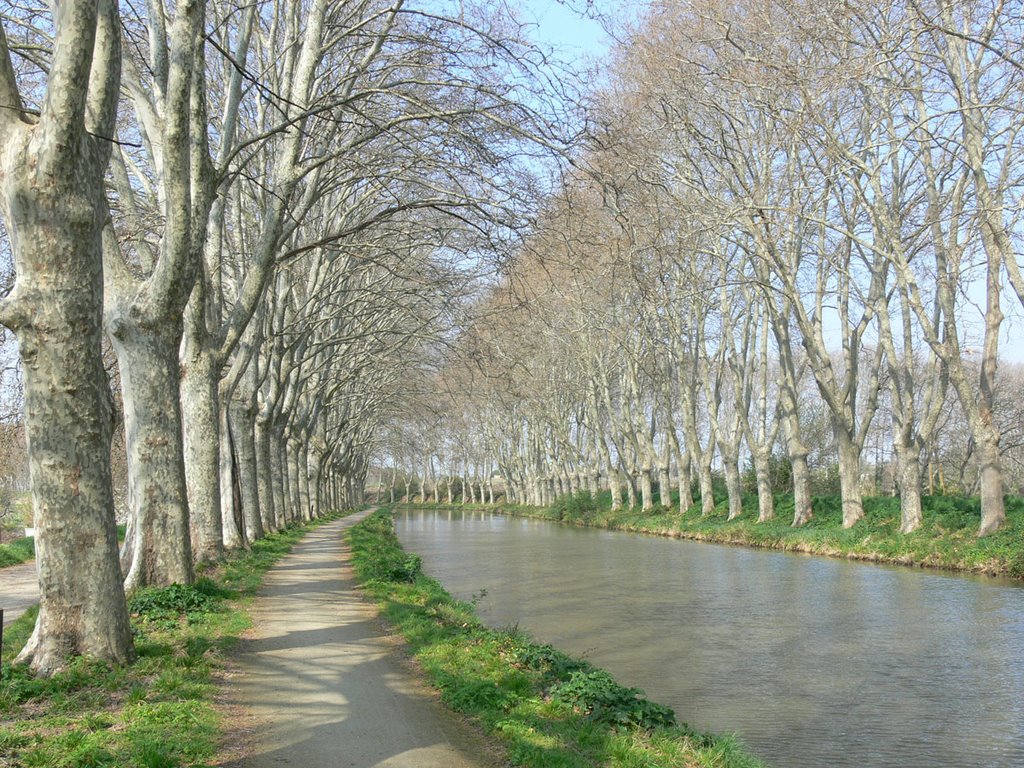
570 25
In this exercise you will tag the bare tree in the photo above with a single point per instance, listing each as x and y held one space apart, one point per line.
54 160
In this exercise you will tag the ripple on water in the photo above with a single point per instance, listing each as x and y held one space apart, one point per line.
814 662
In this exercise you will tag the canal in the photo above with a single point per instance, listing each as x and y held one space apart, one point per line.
813 662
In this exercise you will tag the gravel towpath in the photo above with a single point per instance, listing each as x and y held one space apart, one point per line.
318 683
19 589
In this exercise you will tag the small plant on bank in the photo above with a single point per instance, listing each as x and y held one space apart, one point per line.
595 693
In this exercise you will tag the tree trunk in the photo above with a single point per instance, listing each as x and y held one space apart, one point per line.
630 490
230 502
685 483
802 511
278 477
295 496
849 479
707 487
664 486
313 467
733 487
765 498
68 425
646 489
264 474
990 475
200 406
305 499
54 209
241 421
148 361
909 463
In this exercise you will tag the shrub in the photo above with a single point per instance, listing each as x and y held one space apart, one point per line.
553 664
162 604
574 507
595 693
393 564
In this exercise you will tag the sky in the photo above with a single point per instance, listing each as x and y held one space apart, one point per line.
562 26
572 29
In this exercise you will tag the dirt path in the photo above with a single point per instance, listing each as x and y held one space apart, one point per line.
320 686
19 588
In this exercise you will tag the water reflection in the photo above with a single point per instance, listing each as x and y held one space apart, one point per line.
814 662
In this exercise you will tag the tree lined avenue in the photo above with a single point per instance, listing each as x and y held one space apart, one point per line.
275 252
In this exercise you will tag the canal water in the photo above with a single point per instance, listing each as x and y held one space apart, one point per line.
813 662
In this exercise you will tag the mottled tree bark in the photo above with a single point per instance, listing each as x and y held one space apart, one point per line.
200 405
161 546
53 204
241 421
230 500
144 317
264 475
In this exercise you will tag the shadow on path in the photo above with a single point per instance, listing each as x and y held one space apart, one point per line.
325 687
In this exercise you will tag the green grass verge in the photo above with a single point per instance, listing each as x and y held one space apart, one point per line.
17 551
23 549
947 539
156 713
547 709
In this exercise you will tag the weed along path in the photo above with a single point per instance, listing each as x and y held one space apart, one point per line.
321 684
19 589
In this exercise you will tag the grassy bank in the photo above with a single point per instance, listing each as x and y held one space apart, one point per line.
547 709
947 539
156 713
16 551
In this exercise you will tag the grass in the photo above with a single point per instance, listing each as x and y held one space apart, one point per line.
23 549
157 713
547 709
947 539
17 551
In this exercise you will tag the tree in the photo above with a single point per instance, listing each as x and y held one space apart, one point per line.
53 165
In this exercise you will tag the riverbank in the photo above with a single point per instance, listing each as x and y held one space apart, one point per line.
547 709
161 710
946 540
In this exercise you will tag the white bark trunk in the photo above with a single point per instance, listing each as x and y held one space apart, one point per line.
241 421
200 405
765 497
733 487
909 466
646 489
231 521
278 477
264 474
707 488
51 190
849 479
148 360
